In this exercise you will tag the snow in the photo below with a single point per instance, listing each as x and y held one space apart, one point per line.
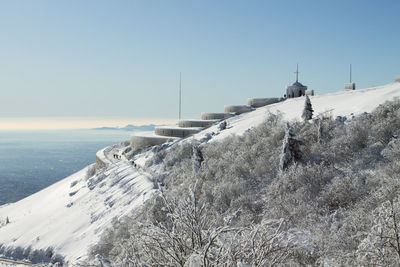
9 263
342 103
71 219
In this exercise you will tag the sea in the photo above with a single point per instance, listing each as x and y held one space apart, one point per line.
33 160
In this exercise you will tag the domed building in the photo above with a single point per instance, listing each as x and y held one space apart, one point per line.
297 89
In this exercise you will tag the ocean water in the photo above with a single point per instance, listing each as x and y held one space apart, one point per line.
33 160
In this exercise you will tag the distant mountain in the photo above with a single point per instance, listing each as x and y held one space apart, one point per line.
129 127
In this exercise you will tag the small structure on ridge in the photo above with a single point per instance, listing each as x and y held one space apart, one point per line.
350 85
297 89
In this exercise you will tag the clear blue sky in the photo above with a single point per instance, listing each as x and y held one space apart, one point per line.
123 58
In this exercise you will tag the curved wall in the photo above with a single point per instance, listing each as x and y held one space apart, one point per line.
196 123
176 131
216 116
238 109
260 102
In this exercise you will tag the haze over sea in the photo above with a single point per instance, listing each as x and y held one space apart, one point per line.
31 160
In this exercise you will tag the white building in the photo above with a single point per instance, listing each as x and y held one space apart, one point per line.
297 89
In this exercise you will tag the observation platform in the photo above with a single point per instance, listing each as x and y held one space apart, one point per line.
260 102
196 123
173 131
238 109
216 116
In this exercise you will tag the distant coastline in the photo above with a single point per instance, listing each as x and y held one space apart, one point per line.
66 123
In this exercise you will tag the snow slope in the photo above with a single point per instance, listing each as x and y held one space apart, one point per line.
71 215
342 103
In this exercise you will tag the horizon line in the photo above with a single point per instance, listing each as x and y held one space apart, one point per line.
65 123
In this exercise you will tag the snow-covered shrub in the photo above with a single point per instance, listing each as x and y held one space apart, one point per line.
386 122
188 228
222 126
171 155
179 152
33 255
190 235
291 152
342 192
294 193
268 243
382 245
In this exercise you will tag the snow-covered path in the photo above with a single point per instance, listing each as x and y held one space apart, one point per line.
9 263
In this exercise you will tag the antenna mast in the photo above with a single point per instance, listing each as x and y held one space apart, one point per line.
180 95
350 73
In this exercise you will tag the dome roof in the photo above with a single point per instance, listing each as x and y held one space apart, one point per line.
297 84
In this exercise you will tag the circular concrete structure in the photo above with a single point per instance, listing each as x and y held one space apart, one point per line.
196 123
147 139
238 109
260 102
174 131
216 116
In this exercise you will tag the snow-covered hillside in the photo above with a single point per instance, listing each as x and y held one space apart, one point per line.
341 103
70 215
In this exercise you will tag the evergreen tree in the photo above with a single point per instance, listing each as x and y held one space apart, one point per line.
308 110
291 152
197 158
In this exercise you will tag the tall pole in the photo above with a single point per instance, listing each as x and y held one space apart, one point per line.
350 73
180 95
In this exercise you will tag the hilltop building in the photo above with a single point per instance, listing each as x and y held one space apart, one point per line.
297 89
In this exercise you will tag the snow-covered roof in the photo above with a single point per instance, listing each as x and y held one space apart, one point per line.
297 84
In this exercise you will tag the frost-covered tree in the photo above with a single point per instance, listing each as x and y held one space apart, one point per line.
320 131
340 197
222 126
197 158
291 152
269 243
188 233
382 245
308 110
